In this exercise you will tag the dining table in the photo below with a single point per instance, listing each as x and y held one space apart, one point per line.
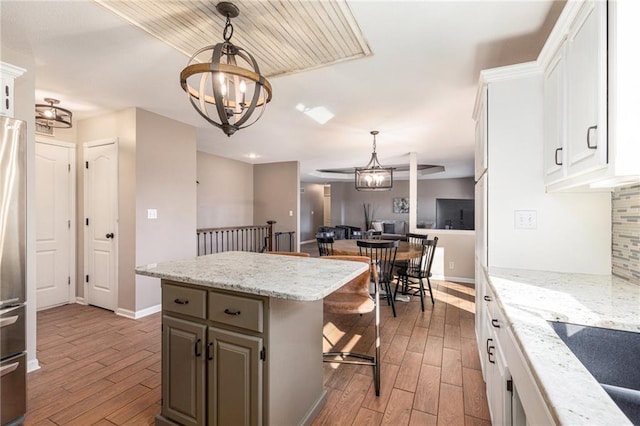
406 250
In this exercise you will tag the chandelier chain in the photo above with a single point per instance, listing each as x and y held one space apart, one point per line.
228 30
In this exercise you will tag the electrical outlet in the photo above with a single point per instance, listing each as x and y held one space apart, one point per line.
152 214
452 265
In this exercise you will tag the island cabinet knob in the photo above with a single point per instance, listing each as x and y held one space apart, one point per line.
231 311
487 298
495 323
181 301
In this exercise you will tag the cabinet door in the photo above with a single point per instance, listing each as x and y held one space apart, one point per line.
586 90
481 137
234 378
554 117
183 365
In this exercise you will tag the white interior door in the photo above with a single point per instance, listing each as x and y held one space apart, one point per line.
101 236
55 224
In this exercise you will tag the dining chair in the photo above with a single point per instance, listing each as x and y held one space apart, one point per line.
412 238
325 246
383 257
289 253
375 235
417 270
354 298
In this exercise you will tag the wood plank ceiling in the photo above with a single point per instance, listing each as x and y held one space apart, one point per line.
285 36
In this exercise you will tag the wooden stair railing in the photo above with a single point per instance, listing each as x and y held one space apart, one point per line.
255 238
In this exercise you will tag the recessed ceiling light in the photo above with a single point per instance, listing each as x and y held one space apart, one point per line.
252 155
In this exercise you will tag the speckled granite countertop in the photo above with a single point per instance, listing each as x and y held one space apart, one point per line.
530 299
283 277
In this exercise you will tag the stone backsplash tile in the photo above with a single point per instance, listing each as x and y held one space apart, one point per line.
625 218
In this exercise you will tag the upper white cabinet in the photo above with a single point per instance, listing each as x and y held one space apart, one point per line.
586 68
554 104
582 139
481 134
8 73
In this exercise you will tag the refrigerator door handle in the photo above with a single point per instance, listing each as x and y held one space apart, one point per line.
9 368
8 321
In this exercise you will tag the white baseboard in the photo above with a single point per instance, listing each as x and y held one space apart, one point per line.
33 365
80 300
454 279
138 314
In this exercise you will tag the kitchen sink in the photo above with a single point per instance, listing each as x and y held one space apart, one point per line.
612 357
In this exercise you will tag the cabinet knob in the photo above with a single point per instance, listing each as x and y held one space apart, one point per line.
495 323
181 301
487 298
231 312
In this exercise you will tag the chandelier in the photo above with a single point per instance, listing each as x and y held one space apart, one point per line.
50 115
224 83
374 177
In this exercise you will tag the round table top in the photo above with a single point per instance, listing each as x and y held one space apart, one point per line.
406 250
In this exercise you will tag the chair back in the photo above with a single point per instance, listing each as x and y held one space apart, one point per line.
416 238
422 266
382 255
376 235
325 246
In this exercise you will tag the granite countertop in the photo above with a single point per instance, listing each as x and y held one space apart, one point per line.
530 299
284 277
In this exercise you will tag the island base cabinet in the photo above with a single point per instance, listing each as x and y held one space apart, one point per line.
183 366
234 377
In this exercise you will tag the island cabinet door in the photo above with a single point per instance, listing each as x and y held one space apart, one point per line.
234 378
183 370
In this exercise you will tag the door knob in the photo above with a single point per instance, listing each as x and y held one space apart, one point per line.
110 235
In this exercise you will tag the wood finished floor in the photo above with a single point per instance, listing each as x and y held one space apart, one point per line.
99 368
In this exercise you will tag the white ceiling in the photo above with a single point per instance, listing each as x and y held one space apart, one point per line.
417 88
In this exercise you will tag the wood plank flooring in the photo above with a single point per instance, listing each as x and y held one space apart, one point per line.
99 368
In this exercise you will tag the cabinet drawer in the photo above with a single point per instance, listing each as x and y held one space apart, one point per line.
187 301
237 311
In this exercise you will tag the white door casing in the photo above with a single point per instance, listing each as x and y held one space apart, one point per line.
55 172
100 223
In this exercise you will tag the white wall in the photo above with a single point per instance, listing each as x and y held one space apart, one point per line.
573 232
165 180
225 192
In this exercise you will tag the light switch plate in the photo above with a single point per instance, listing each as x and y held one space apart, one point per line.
526 219
152 213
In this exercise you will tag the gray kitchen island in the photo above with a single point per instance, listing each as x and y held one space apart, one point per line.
242 337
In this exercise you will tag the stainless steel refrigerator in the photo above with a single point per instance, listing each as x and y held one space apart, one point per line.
13 357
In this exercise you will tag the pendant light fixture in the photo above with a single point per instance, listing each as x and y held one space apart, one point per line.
50 115
224 83
374 177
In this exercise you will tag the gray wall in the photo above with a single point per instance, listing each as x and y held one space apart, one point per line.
311 210
275 194
225 192
625 232
347 203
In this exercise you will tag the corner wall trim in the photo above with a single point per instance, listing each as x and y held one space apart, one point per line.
33 365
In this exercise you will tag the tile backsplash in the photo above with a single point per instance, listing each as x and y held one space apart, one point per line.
625 217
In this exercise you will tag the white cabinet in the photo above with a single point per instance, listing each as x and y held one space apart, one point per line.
8 73
588 138
586 111
554 123
481 134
